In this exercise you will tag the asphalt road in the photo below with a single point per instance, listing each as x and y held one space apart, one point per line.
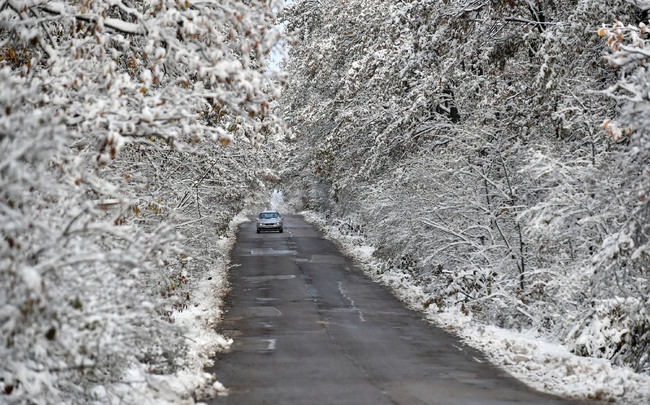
310 328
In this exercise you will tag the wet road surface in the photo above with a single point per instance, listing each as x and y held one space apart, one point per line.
310 328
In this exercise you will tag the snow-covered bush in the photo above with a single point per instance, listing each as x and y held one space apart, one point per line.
616 329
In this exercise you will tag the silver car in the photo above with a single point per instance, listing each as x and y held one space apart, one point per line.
269 221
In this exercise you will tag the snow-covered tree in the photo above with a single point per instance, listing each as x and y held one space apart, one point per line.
121 129
472 130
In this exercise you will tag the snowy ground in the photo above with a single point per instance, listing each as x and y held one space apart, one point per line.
543 365
200 321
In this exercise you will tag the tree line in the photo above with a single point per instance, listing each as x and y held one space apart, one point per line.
493 151
128 141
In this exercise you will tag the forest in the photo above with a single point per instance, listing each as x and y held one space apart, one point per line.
494 153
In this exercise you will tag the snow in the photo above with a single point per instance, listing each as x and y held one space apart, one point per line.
199 321
123 26
32 278
363 252
543 365
550 366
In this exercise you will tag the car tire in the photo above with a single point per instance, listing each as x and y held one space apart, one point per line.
258 231
281 230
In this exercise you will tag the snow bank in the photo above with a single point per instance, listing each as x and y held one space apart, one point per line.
200 321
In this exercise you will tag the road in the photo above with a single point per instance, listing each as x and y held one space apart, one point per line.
310 328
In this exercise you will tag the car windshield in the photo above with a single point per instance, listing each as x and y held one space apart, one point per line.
268 215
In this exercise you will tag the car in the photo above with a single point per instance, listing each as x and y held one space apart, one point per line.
269 221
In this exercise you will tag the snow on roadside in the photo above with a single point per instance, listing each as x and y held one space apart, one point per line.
199 321
546 366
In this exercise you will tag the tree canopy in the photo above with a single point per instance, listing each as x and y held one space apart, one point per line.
127 134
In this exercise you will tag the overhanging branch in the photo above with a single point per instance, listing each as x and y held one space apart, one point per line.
112 23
